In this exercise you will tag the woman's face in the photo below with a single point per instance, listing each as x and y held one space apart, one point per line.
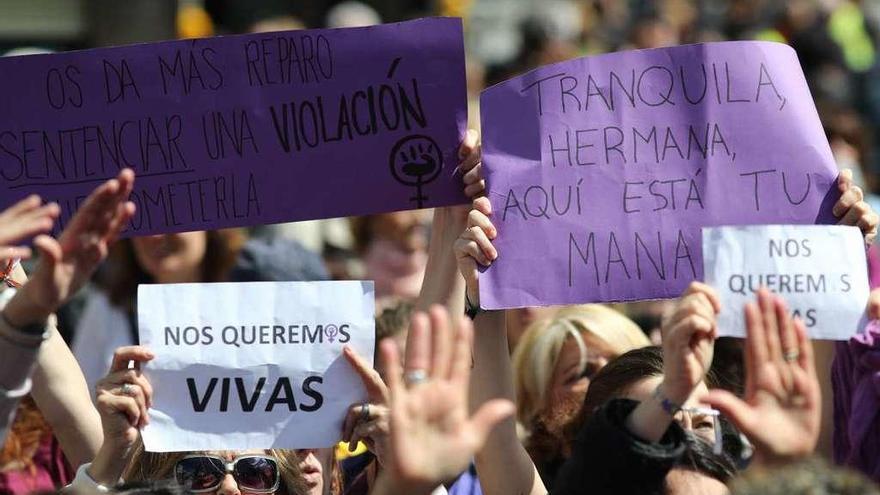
228 485
569 382
170 258
314 465
701 425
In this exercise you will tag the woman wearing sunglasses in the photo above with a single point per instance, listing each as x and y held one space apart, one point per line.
123 398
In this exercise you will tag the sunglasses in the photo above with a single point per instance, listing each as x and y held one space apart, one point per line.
205 473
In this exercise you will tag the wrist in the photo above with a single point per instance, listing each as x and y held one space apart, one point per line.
108 464
23 311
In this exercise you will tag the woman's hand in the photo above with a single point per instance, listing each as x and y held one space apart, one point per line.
123 398
852 209
22 220
369 421
474 247
68 262
781 411
688 341
433 438
471 166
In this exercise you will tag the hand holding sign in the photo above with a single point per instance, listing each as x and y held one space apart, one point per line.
123 398
851 208
434 412
475 248
367 421
22 220
67 263
782 407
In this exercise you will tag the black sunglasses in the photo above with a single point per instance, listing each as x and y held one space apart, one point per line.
204 473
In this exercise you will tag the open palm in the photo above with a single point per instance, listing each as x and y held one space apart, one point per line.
780 413
433 438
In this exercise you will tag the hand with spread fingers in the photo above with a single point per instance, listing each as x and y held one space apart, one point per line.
852 209
368 421
123 398
22 220
433 437
68 262
780 413
474 247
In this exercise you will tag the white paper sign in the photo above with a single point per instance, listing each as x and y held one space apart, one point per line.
820 270
253 365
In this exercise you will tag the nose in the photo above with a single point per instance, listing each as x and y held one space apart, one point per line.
228 486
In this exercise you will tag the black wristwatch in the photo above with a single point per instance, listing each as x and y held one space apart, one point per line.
471 309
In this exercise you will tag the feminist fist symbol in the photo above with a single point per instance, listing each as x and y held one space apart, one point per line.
416 161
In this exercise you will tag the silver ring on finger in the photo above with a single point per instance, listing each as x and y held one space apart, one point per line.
127 389
415 377
791 355
365 412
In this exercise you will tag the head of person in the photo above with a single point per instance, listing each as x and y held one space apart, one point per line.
557 357
201 256
813 476
635 375
393 323
273 471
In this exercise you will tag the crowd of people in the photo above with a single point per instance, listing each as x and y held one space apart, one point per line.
638 398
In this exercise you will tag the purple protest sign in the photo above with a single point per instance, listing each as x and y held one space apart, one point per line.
243 130
602 170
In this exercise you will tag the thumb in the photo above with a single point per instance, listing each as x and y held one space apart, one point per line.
732 407
488 416
49 249
844 180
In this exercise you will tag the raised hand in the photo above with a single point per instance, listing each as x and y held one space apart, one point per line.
368 421
471 166
474 246
781 410
688 341
22 220
433 438
68 262
852 209
123 398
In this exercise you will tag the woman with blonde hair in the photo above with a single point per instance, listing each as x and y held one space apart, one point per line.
553 364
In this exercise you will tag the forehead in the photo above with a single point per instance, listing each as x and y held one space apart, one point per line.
232 454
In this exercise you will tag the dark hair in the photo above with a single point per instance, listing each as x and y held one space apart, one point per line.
700 457
124 273
393 320
813 476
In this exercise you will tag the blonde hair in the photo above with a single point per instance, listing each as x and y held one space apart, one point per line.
535 357
155 466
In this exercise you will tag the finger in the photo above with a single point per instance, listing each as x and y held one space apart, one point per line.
474 175
49 249
460 371
708 291
121 404
771 330
847 200
125 212
137 393
483 205
126 354
756 343
478 219
805 346
477 234
844 180
476 189
873 310
733 408
441 338
418 345
490 414
24 205
15 252
394 374
472 250
376 389
855 214
349 422
469 144
787 340
362 432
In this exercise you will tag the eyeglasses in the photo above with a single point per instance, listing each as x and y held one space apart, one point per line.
705 422
205 473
